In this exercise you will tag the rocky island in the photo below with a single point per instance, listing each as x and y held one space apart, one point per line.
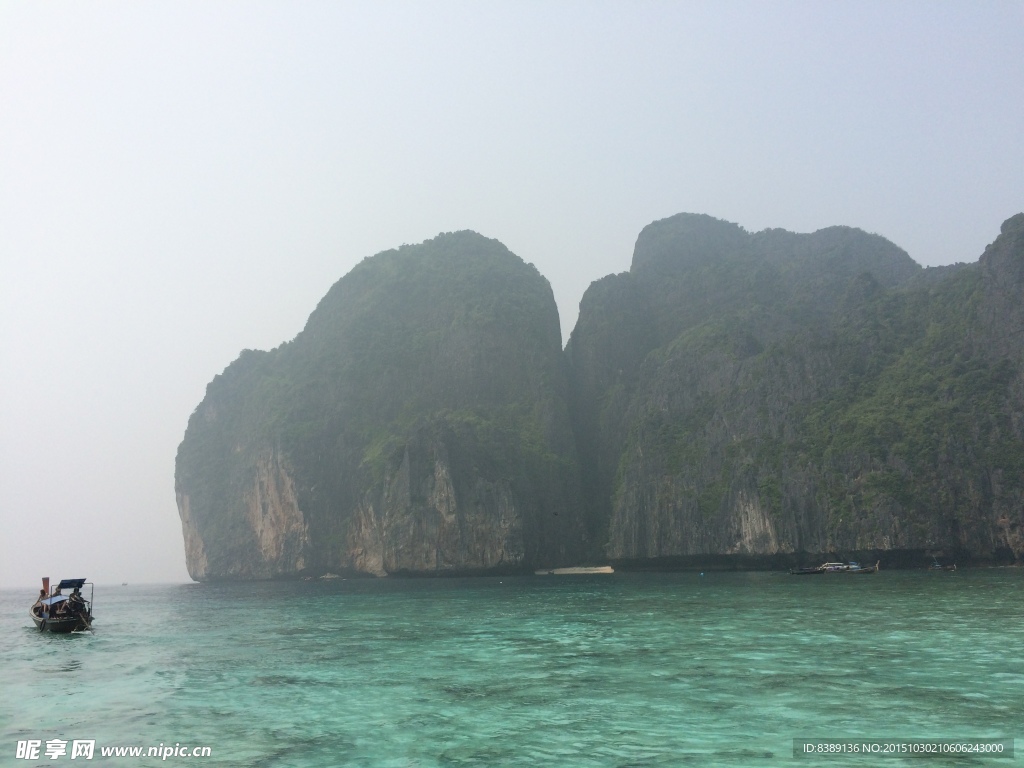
736 398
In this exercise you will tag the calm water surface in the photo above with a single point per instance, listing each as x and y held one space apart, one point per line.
611 671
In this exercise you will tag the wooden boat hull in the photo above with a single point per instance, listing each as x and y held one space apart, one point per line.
61 625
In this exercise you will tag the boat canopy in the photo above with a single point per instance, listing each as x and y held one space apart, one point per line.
54 600
71 583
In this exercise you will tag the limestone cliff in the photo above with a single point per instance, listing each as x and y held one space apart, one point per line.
735 395
771 394
419 423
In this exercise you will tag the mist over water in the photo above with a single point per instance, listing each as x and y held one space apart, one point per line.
621 670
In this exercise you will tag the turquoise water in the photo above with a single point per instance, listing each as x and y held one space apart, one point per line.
632 670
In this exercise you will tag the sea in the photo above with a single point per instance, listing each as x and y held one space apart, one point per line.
615 670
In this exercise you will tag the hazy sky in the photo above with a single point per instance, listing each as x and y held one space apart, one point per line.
183 180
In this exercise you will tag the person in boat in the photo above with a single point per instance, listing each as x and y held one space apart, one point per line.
76 603
39 609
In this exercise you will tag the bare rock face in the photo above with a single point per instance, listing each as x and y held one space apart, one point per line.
422 521
272 510
271 532
195 553
755 531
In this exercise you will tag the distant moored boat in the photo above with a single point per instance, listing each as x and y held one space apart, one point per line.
578 570
837 568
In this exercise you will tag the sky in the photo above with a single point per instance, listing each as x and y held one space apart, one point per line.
180 181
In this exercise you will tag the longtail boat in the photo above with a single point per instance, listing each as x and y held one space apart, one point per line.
63 613
837 568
